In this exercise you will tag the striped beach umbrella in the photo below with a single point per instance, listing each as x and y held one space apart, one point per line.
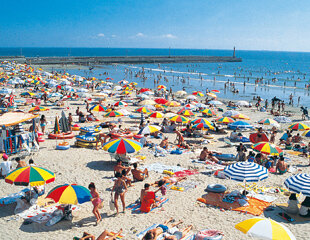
156 115
70 194
267 148
113 114
246 171
203 126
198 93
202 120
98 108
209 112
160 87
122 146
27 94
144 110
125 92
186 112
149 129
306 133
179 119
265 228
211 94
268 121
298 127
215 91
38 109
31 175
224 120
299 183
241 116
173 104
120 103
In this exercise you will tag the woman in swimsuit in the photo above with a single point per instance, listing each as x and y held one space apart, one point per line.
43 123
96 201
120 189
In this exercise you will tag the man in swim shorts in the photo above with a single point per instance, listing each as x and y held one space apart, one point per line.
139 175
177 235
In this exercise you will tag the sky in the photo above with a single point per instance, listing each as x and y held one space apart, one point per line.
280 25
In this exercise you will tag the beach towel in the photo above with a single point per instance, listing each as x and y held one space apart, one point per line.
159 167
256 207
142 233
296 217
187 185
185 173
12 197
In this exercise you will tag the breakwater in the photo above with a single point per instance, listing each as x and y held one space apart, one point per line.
119 59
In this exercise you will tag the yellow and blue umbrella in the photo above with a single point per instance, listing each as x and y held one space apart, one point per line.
186 112
265 228
299 127
267 148
178 119
225 120
70 194
113 114
27 94
98 108
203 126
30 175
306 133
122 146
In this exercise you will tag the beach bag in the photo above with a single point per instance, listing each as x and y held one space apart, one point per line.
101 204
111 204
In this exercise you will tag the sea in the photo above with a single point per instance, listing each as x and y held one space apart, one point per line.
266 74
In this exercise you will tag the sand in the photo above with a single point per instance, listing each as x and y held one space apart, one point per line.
82 166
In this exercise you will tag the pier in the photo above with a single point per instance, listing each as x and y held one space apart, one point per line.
87 61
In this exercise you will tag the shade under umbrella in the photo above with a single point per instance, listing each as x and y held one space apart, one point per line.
299 183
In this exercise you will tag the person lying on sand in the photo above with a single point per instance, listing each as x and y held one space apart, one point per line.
207 155
161 228
105 235
137 174
164 143
177 235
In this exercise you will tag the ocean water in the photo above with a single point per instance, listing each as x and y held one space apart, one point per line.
291 70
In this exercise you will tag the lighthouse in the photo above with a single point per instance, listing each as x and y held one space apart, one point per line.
234 55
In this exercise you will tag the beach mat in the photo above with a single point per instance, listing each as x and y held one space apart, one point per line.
296 217
256 207
295 153
185 173
135 207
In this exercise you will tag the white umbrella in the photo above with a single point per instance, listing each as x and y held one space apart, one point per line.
243 103
191 97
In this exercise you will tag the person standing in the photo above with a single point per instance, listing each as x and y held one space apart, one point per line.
5 166
96 201
120 189
43 123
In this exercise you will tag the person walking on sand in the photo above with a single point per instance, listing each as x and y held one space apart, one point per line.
120 189
96 201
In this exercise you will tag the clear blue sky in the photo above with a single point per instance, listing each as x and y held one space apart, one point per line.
282 25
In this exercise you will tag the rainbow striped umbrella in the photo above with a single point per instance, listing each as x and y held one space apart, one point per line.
122 146
173 104
198 93
120 103
186 112
209 112
70 194
38 109
160 87
179 119
125 92
30 175
267 148
268 121
225 120
298 127
203 125
156 115
149 129
161 100
306 133
144 110
98 108
241 116
113 114
202 120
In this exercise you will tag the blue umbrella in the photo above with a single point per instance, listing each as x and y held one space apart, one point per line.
230 113
299 183
246 171
240 125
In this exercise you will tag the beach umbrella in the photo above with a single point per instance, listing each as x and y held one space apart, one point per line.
98 108
160 87
216 103
209 112
243 103
215 91
267 148
282 119
108 78
147 102
30 175
202 120
241 116
186 112
144 110
178 119
203 125
113 114
240 125
151 107
120 103
125 92
173 104
122 82
122 146
201 105
38 109
230 113
298 127
213 95
198 93
149 129
170 114
142 90
268 121
191 97
265 228
161 100
148 93
224 120
156 115
70 194
299 183
246 171
306 133
124 111
180 93
27 94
